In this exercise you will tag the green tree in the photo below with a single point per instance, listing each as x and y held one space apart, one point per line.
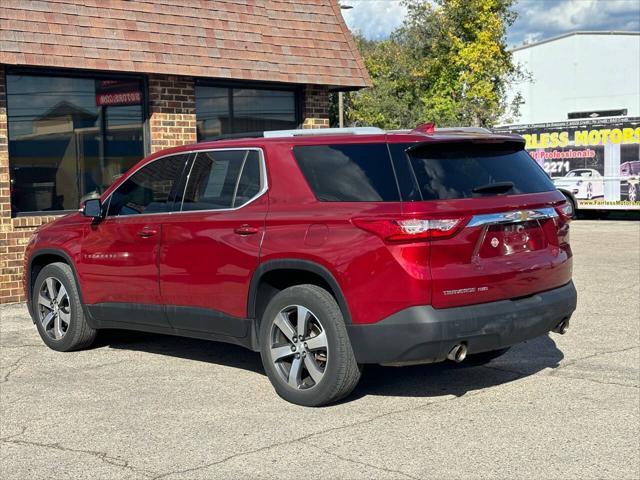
448 63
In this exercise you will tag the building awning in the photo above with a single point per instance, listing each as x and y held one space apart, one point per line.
291 41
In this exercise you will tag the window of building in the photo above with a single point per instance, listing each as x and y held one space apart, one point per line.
226 110
70 137
152 189
222 179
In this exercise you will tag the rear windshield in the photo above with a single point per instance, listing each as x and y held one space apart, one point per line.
349 173
366 172
451 171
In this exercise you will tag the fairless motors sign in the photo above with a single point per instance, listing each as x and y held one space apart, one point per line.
598 160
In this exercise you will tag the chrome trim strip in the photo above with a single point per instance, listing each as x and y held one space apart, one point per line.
264 184
515 216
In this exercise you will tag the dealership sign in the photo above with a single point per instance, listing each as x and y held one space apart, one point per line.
579 138
597 160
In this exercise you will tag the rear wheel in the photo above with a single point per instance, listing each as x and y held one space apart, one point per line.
305 348
58 312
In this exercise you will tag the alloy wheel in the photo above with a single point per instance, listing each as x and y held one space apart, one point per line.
54 309
299 348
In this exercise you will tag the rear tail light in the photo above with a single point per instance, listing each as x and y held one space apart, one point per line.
411 229
565 213
565 209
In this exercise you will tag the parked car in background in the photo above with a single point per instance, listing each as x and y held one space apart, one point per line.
583 183
323 250
630 180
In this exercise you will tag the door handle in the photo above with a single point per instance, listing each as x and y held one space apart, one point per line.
246 230
147 232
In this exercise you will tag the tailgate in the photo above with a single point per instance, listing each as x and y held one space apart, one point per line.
502 255
512 234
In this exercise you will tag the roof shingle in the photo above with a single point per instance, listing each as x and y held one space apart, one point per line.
294 41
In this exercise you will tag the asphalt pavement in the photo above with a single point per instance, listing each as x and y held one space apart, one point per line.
150 406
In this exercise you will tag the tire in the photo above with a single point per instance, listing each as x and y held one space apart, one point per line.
327 367
483 358
61 323
571 202
633 192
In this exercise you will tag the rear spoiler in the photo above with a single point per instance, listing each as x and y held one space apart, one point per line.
507 142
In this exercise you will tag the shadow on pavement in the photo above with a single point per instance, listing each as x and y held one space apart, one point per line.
188 348
446 378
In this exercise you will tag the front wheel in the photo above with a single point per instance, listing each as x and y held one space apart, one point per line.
58 311
305 348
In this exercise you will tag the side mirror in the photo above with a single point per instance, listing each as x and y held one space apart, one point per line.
92 208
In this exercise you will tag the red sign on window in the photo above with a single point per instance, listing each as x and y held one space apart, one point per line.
132 97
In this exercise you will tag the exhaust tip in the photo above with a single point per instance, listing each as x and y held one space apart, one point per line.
458 353
562 327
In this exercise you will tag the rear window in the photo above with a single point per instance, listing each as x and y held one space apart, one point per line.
451 171
349 173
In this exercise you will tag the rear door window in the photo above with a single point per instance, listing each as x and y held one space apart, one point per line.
349 173
222 179
464 170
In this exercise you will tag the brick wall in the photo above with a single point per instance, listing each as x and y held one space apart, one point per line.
13 234
172 122
315 111
172 106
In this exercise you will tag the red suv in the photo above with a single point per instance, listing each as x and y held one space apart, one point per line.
322 250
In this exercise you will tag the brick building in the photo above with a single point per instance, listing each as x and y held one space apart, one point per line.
88 88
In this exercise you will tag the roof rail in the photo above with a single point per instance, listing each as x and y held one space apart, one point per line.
463 129
324 131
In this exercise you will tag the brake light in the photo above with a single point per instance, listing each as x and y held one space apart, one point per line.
565 210
410 229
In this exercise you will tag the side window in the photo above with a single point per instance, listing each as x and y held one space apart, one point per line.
222 179
349 173
150 190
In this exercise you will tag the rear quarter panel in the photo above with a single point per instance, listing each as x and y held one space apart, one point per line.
376 279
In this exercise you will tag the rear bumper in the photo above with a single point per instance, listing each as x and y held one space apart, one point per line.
426 334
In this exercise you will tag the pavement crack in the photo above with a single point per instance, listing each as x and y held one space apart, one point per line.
101 365
589 357
12 368
517 373
103 456
359 462
15 435
310 435
601 382
27 345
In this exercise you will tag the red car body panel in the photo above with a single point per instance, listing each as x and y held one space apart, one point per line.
198 259
205 263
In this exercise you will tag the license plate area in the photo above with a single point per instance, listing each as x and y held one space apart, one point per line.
511 238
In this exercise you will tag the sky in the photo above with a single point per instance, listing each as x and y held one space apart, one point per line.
537 19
